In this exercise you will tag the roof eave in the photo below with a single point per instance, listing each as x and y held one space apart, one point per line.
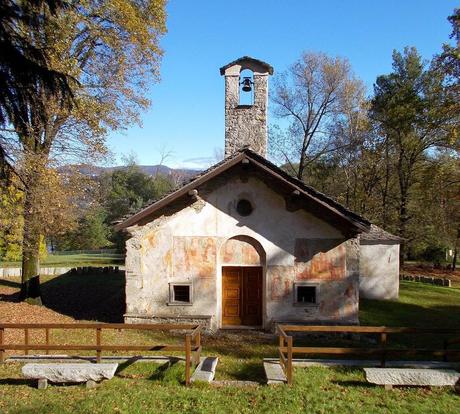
267 66
359 225
134 219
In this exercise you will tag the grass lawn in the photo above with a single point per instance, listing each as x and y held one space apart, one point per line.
144 387
76 260
419 304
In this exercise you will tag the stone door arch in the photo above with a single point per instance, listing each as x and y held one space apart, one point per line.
243 266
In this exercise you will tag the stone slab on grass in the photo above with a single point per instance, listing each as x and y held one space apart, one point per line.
407 376
206 370
119 359
368 363
274 373
69 372
231 383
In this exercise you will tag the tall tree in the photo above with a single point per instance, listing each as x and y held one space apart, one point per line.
25 64
313 95
417 114
448 61
92 232
112 50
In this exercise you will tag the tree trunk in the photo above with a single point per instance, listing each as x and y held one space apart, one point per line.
454 258
301 167
386 186
30 287
403 220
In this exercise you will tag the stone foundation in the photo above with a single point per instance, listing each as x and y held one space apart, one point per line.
205 320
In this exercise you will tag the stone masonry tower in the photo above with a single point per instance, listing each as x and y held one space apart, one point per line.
246 124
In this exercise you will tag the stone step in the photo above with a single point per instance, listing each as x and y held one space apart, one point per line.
68 372
158 359
206 370
235 383
274 372
368 363
407 376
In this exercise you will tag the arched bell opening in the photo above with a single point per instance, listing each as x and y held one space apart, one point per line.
246 90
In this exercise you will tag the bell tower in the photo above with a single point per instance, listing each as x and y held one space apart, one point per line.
246 97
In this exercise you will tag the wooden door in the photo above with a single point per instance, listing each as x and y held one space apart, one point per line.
252 296
232 280
242 296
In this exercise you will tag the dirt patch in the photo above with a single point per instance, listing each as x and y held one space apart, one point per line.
13 311
67 298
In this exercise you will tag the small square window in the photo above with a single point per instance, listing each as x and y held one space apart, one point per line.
180 294
305 294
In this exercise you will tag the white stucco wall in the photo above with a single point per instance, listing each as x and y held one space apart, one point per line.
186 246
379 270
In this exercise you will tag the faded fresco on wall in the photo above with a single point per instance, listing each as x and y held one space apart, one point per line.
280 281
194 257
240 252
320 259
176 251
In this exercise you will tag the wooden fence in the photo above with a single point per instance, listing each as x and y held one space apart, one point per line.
191 345
287 349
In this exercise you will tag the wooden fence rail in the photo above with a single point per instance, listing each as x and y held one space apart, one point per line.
191 345
286 349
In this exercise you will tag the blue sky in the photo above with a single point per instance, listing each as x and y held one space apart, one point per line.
187 113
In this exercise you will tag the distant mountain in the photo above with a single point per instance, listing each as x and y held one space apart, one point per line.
147 169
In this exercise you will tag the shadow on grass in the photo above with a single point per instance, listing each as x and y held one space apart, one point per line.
250 371
354 383
128 363
419 306
9 283
91 296
18 381
244 344
167 371
242 352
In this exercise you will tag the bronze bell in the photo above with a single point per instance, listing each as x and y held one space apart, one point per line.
247 84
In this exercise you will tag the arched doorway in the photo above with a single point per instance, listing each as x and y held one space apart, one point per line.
243 261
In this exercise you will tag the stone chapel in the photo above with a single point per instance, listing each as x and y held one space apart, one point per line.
245 244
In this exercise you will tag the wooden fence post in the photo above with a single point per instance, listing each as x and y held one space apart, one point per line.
383 344
198 352
281 345
188 347
26 340
2 351
47 339
98 345
289 367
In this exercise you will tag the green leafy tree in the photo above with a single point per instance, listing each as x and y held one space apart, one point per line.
126 190
415 113
11 224
24 63
92 232
112 51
